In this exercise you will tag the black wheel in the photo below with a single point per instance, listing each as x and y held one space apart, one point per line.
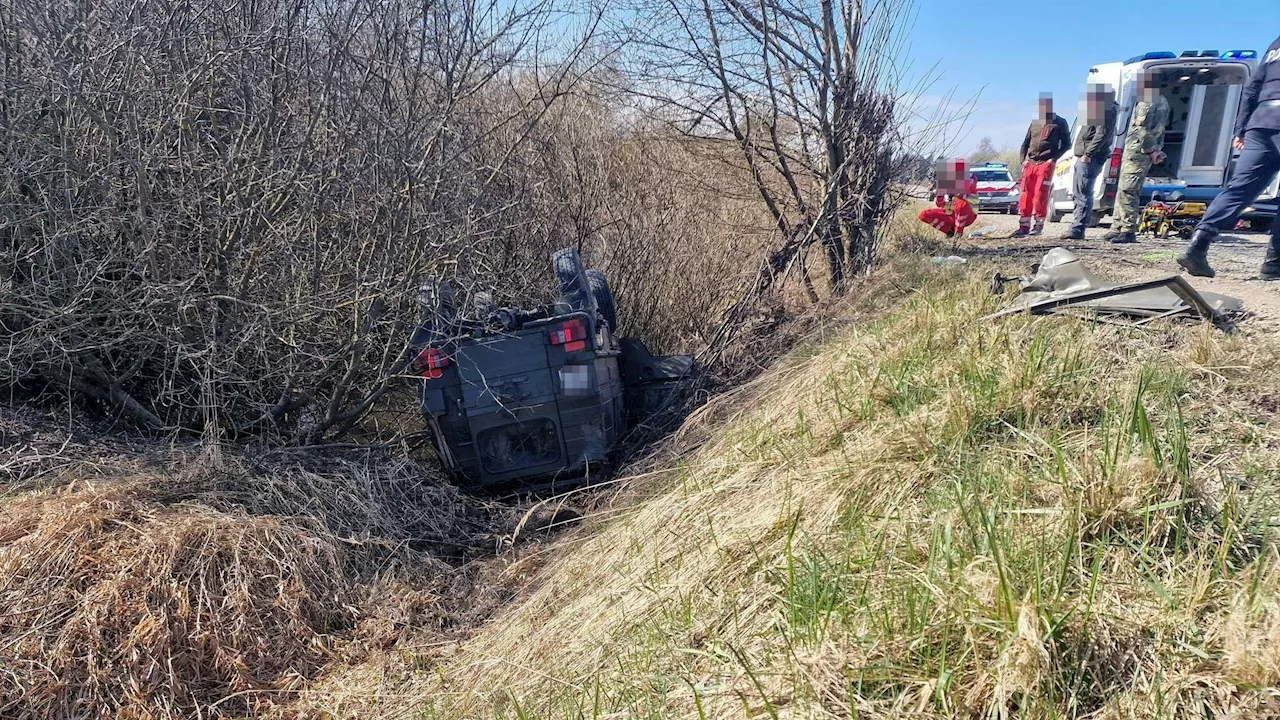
574 289
483 305
436 312
435 304
603 297
1056 215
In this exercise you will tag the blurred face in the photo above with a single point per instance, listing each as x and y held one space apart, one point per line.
1046 107
1148 83
951 175
1096 101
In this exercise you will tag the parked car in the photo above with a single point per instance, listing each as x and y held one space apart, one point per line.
997 190
1203 88
513 395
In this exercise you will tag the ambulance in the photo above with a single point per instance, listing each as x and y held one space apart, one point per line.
1203 88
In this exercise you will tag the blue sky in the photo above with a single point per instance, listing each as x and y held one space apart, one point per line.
1005 53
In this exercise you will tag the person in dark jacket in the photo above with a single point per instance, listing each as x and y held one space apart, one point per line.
1092 150
1257 136
1048 138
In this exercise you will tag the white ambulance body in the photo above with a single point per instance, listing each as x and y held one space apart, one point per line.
1203 89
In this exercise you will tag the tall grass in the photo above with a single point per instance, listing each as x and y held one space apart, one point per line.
928 517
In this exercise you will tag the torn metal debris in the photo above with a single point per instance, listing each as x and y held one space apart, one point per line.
1062 284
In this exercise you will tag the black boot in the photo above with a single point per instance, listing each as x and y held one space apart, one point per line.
1195 259
1121 238
1271 266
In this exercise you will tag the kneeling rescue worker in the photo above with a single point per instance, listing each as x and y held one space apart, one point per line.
953 185
1258 139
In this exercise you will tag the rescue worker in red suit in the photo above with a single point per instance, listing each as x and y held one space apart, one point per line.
1048 138
952 213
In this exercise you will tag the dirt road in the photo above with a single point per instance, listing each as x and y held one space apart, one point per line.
1235 256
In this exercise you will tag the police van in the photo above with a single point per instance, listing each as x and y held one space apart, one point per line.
1203 88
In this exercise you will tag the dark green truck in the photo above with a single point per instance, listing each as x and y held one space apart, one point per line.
515 395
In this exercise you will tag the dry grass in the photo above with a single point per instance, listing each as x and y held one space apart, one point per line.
924 516
912 515
219 589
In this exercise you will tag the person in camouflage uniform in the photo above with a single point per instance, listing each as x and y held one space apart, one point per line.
1143 147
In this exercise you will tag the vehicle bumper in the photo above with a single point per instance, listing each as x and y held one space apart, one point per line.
997 203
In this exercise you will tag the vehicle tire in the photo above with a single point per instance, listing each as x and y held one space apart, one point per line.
483 305
1095 219
435 304
574 289
1056 215
436 313
603 297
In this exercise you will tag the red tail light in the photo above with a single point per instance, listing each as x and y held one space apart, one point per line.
1113 170
572 334
430 363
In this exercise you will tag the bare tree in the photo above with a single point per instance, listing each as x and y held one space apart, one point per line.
986 151
805 91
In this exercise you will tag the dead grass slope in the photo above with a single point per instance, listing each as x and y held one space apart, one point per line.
177 587
926 516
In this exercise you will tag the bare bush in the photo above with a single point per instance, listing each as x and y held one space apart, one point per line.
676 230
987 153
213 215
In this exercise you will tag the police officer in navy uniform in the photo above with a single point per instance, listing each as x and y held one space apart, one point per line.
1258 139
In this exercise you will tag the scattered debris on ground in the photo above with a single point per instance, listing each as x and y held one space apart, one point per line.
1062 284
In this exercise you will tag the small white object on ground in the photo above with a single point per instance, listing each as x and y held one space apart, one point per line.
949 260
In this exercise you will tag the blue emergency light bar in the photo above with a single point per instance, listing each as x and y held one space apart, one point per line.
1161 55
1166 55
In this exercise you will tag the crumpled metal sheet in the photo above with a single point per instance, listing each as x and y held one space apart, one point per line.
1062 282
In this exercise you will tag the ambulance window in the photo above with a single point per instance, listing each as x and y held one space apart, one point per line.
1212 114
